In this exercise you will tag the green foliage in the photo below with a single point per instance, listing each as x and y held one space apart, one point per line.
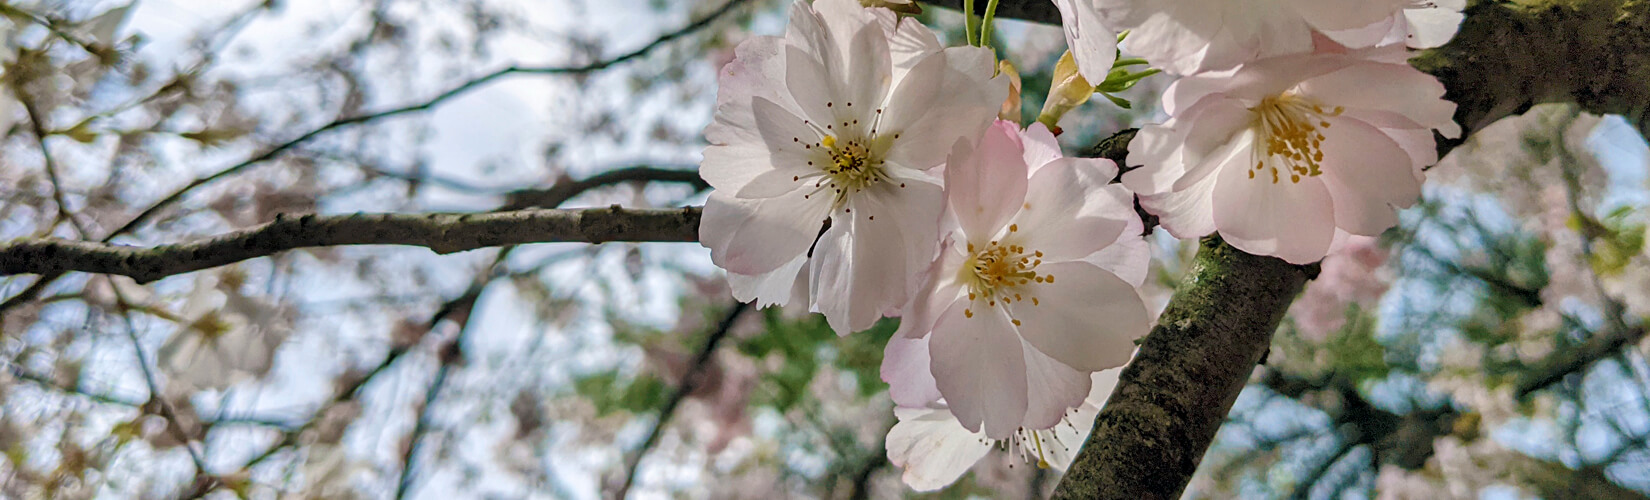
610 392
1620 238
804 346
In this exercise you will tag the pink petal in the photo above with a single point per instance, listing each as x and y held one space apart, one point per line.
756 236
905 367
1087 318
986 186
979 368
1291 221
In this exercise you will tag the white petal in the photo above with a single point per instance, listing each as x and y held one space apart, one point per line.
1327 15
905 367
869 262
1128 257
1063 217
980 370
1387 87
1433 26
813 84
1040 146
773 288
1087 318
1288 220
971 98
869 75
1367 174
737 152
986 186
1053 389
1093 44
932 447
756 236
1185 214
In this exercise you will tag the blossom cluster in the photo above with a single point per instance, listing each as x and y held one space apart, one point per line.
861 168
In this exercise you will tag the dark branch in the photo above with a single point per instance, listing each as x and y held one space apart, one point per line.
690 381
443 233
1172 398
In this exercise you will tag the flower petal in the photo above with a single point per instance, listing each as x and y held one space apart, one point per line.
980 370
756 236
1053 389
905 367
1062 217
986 185
1086 318
1289 220
932 447
1093 44
1367 174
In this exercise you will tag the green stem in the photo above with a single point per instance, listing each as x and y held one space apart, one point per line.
990 19
968 23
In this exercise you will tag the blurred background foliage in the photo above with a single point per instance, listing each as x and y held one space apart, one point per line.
1492 346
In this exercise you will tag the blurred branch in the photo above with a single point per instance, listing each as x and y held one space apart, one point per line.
59 28
690 381
37 125
562 191
441 232
451 354
47 383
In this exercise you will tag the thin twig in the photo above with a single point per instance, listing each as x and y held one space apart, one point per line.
690 381
38 125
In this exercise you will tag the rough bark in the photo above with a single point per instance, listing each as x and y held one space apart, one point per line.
1508 56
443 233
1172 398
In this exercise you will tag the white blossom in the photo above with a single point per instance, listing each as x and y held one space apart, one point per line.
1023 302
838 124
1287 155
1188 36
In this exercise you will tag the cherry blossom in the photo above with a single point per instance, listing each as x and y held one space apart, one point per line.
1093 44
1188 36
934 449
226 337
819 155
1285 153
1423 24
1029 295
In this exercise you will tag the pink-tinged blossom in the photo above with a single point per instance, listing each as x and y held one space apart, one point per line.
834 127
933 449
1283 154
1093 44
1351 275
1189 36
1034 288
1422 24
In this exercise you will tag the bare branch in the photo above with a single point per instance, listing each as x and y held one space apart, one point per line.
441 232
690 381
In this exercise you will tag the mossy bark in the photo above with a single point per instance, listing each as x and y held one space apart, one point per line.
1508 56
1174 395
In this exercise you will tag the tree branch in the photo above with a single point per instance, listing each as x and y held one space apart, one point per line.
1172 398
690 381
442 232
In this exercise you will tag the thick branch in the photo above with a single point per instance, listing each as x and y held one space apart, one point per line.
443 233
1172 398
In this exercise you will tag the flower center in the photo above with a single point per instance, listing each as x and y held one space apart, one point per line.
1036 444
853 167
1001 272
848 154
1287 126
